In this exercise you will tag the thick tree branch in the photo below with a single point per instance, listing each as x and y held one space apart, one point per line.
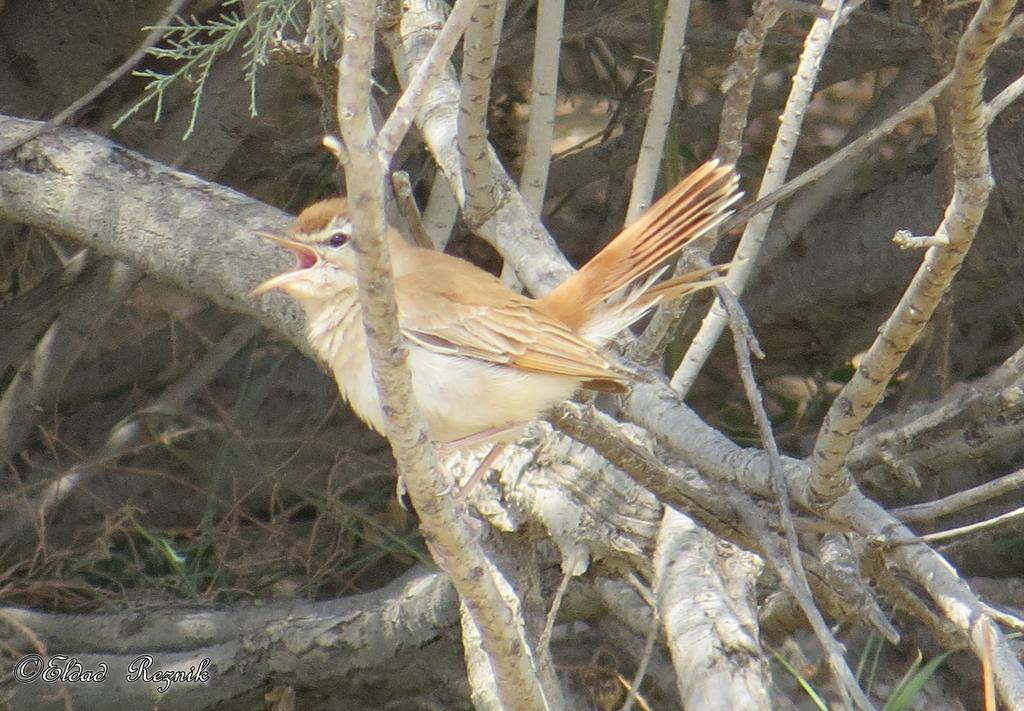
705 600
308 644
165 222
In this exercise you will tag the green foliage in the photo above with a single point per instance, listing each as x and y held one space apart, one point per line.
913 681
806 685
916 676
194 46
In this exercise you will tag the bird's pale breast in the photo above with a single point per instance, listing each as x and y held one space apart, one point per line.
457 396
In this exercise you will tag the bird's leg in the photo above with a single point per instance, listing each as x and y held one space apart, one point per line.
446 448
442 449
482 468
440 452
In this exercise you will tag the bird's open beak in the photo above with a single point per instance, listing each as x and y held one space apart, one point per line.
305 258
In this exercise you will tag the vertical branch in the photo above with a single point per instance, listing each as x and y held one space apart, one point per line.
543 100
364 179
652 147
441 212
775 174
478 52
513 229
739 82
418 86
947 249
443 518
739 89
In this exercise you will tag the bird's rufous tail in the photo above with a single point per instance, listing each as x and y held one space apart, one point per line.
698 204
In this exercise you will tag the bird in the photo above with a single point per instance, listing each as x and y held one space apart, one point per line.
484 358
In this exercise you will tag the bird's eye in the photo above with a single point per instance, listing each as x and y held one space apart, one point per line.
338 239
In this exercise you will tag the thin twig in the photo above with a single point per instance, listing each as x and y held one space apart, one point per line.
992 522
848 685
962 499
1003 99
792 573
645 659
569 567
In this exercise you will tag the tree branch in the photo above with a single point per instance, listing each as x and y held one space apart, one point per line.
543 101
418 87
750 244
444 519
973 183
311 644
513 228
167 223
659 116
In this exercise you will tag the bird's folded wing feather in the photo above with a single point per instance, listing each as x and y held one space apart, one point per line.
471 314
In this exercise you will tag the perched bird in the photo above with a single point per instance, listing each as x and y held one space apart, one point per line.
484 358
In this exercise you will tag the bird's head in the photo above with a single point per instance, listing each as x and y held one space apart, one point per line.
324 260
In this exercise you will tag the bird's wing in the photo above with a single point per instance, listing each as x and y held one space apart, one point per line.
463 311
